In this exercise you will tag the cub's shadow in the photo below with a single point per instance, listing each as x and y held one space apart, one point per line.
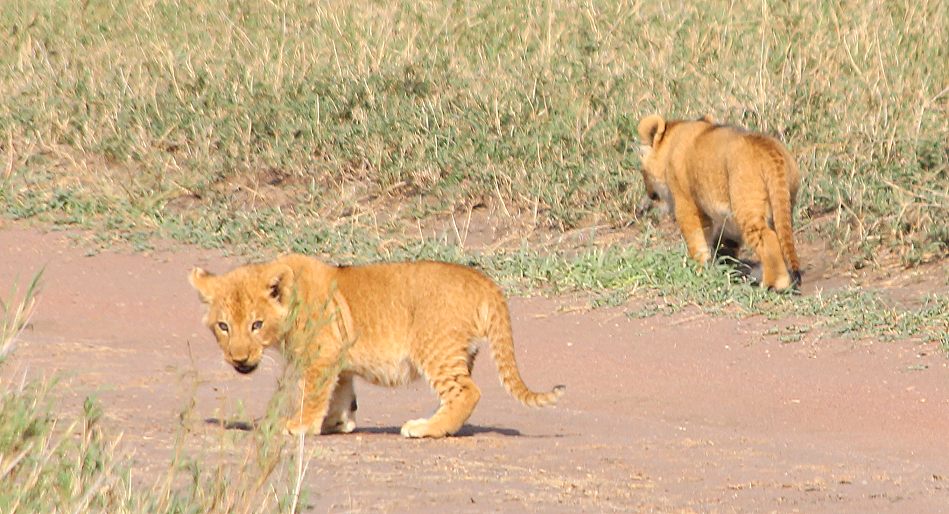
742 270
246 426
750 272
466 431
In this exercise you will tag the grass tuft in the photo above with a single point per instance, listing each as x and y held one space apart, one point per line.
15 315
51 462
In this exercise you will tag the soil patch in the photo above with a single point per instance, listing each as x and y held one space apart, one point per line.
686 413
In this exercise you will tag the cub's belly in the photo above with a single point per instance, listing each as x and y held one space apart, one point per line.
386 372
723 224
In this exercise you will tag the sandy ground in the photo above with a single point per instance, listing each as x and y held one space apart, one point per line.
688 413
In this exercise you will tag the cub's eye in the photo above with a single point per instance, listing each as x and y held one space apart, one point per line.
255 326
222 326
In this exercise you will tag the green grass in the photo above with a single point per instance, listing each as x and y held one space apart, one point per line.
663 280
341 129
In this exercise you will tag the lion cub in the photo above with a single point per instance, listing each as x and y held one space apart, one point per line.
725 186
387 323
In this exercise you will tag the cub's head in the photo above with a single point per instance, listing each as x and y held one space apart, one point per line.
654 135
246 309
651 130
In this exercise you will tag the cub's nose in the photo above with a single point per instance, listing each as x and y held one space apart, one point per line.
243 367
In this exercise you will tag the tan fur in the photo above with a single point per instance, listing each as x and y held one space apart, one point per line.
725 186
387 323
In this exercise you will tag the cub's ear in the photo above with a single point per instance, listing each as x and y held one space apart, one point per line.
279 282
707 119
204 283
651 130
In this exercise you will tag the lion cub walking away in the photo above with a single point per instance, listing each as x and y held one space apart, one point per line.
387 323
725 185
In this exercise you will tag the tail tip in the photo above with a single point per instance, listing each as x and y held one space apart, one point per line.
796 279
532 399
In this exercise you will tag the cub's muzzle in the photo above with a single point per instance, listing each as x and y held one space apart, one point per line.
243 367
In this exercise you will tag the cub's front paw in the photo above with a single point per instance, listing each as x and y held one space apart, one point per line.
296 427
421 428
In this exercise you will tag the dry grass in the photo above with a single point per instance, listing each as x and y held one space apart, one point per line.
15 314
331 126
366 131
50 462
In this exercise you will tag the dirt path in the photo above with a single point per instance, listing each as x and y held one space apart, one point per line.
667 414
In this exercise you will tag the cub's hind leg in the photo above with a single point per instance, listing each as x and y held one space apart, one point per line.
341 416
750 199
764 241
774 274
449 375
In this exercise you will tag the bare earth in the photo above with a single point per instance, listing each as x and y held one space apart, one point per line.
688 413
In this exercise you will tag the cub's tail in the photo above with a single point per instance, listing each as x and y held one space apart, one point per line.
781 180
497 326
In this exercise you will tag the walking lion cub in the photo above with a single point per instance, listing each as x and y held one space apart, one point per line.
387 323
725 186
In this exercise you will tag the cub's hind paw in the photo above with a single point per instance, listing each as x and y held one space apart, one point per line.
421 428
342 426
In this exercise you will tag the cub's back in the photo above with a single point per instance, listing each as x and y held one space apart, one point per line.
716 148
401 295
422 280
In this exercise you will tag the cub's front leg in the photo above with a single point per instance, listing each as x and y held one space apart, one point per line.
317 386
692 224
